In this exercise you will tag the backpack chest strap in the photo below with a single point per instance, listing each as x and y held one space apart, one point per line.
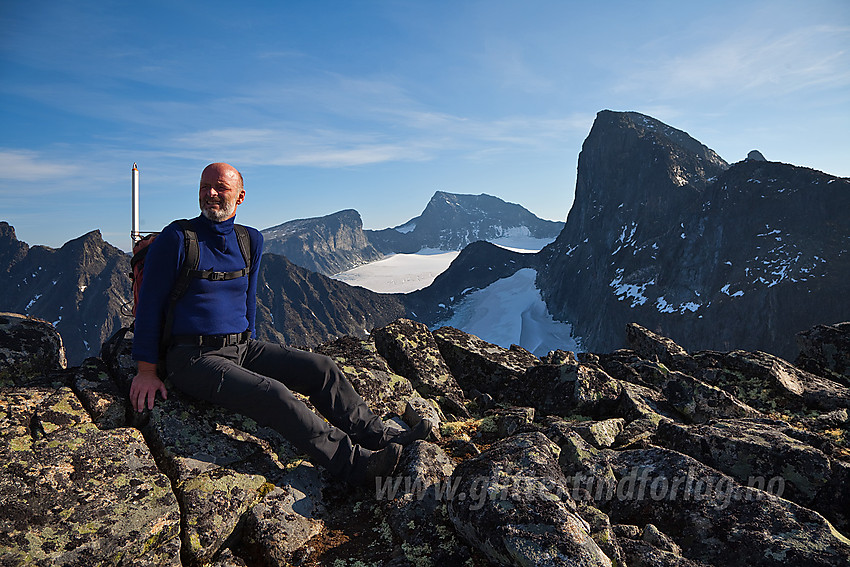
214 276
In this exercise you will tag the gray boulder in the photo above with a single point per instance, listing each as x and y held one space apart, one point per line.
513 506
29 349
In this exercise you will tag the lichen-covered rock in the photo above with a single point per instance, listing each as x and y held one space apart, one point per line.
653 346
600 489
385 391
514 506
639 553
286 518
99 394
479 365
76 495
213 506
833 501
713 518
749 450
565 389
221 463
29 348
746 449
643 402
504 422
602 533
601 434
695 400
825 350
580 461
769 383
414 501
638 432
410 349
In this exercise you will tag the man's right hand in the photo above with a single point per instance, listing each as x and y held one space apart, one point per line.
145 386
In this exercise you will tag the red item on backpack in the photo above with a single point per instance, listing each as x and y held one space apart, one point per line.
137 265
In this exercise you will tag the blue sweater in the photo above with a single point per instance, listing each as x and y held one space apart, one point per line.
207 307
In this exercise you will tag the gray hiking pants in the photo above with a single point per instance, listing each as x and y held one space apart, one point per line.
257 380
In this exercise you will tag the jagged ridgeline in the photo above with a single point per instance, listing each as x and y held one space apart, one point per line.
665 232
650 455
662 232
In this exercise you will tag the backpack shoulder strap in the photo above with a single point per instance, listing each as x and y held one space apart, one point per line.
244 240
191 257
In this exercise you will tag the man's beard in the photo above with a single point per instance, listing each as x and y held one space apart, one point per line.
224 211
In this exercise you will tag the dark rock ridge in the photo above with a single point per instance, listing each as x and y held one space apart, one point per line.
300 307
80 287
451 221
666 233
327 245
650 455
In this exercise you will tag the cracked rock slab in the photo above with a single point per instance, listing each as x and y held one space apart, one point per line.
64 482
513 505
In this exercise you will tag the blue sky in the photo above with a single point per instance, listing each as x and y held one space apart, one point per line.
374 105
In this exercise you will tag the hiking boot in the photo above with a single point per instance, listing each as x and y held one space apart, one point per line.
376 464
403 437
408 436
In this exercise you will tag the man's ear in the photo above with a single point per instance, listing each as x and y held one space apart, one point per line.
241 197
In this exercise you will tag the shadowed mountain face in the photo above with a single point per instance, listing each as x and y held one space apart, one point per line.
665 233
302 308
80 287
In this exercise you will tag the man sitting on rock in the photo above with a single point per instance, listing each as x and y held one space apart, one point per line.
213 355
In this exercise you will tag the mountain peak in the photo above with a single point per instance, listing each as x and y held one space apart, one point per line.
666 233
7 231
612 125
451 221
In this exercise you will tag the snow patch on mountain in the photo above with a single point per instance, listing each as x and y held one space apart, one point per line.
519 242
409 226
404 273
399 273
511 311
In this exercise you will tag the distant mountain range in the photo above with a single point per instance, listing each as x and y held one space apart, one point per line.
663 232
337 242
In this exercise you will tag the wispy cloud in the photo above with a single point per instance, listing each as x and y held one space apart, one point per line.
752 63
414 135
29 165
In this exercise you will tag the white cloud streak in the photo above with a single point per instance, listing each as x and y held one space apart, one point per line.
29 166
751 63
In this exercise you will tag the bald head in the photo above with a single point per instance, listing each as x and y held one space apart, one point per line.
221 191
221 168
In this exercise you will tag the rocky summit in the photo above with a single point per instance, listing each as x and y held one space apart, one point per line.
664 232
650 455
